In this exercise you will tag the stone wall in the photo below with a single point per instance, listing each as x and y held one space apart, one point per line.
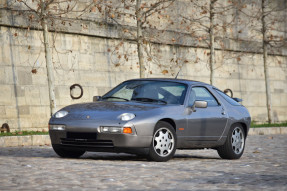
90 57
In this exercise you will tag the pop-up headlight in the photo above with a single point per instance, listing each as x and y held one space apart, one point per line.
61 114
127 116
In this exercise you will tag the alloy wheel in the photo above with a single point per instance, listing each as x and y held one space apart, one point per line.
237 140
163 142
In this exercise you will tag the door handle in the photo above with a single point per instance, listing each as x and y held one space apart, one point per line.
223 111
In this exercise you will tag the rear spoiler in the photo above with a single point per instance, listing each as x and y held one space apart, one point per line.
237 99
229 90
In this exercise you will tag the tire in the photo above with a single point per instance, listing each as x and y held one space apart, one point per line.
163 145
66 153
234 145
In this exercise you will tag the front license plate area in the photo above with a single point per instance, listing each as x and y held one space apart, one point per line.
79 136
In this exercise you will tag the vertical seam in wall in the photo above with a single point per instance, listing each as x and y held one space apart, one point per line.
14 75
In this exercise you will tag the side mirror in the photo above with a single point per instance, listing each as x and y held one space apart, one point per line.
200 104
97 98
197 104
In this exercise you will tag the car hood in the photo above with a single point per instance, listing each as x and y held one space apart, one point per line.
106 110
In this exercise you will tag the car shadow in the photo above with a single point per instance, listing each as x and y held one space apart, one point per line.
131 157
47 152
113 156
193 157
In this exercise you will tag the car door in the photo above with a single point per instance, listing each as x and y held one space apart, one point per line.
205 123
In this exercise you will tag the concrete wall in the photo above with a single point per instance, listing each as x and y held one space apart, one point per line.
90 57
24 99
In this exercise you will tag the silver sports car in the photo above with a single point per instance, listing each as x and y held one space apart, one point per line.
153 117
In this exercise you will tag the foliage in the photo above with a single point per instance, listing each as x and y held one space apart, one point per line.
254 125
24 133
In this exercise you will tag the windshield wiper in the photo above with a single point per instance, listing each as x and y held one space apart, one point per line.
115 98
145 99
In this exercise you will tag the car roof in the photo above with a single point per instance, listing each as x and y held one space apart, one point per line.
190 82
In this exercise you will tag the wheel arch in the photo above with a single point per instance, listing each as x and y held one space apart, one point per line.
244 126
170 121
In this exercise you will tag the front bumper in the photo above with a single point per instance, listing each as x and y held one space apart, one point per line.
92 140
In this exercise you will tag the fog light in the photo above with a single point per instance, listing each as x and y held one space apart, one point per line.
127 130
57 127
115 129
110 129
104 129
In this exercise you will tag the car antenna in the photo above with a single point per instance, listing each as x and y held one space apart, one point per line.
177 73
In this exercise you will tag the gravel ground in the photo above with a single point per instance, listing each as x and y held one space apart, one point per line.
263 166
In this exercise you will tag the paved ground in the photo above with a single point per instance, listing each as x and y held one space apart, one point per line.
262 167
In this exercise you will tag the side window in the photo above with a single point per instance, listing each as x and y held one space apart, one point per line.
202 94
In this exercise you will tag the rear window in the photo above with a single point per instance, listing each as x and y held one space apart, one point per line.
227 98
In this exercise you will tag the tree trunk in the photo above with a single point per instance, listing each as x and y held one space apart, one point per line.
211 36
140 47
265 64
49 66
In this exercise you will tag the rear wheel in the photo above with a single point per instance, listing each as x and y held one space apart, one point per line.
234 145
67 153
163 144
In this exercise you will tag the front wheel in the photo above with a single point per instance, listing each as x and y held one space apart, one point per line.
67 153
234 145
163 144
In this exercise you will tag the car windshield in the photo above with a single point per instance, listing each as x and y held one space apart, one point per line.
148 91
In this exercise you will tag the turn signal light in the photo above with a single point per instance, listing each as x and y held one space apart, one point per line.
127 130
